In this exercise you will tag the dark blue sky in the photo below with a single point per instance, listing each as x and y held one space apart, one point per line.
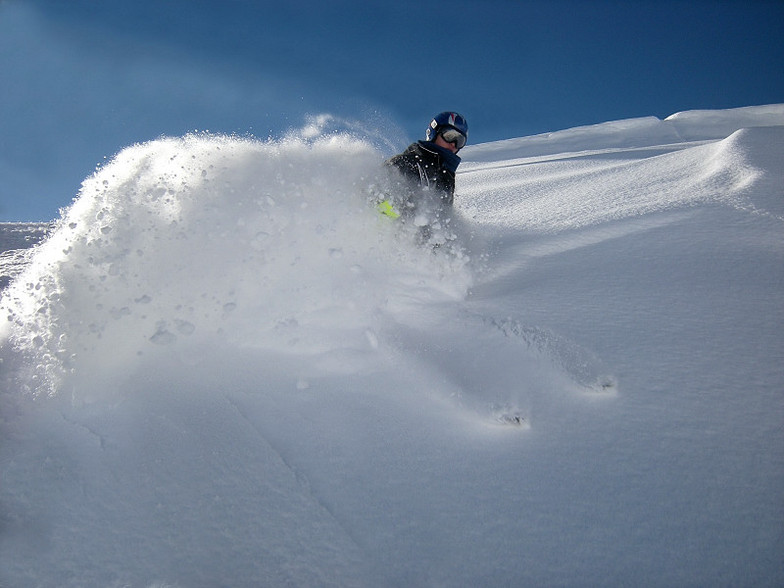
84 78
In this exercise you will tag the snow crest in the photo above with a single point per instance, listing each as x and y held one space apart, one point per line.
591 187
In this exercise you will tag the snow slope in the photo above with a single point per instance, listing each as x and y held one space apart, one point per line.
222 368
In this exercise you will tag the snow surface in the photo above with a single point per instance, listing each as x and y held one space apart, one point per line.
223 368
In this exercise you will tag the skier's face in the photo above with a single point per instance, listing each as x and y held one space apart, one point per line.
441 143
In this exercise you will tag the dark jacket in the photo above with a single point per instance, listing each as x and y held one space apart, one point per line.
427 165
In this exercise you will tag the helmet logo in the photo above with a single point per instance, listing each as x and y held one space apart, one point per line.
452 118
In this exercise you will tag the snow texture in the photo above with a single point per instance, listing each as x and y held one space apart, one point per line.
222 367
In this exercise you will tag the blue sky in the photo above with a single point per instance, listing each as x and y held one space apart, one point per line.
84 78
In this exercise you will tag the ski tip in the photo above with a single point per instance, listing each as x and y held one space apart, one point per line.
512 420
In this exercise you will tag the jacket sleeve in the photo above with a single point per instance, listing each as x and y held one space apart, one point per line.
406 164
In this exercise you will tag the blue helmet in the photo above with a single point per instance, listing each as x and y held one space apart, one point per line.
446 120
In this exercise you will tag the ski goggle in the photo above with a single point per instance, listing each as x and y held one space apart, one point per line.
453 136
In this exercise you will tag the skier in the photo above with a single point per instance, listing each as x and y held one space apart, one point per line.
426 180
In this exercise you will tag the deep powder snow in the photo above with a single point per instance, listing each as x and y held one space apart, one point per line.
223 367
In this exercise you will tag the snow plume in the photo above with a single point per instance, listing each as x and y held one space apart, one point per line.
374 128
184 242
